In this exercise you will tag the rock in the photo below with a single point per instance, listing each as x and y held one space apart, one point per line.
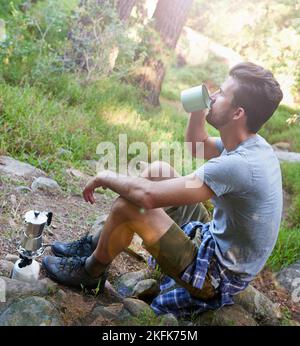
137 307
52 287
233 315
32 311
60 295
144 289
12 258
110 312
123 317
259 306
100 321
169 320
185 323
287 156
137 250
77 174
45 184
289 277
6 267
14 168
22 188
109 289
15 288
282 146
127 282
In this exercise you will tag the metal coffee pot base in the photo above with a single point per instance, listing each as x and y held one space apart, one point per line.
31 247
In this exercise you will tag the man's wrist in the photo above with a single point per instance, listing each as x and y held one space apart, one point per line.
198 113
101 178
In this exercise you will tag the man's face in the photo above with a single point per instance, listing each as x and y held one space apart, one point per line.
222 111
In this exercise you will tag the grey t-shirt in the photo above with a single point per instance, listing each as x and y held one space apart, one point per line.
247 204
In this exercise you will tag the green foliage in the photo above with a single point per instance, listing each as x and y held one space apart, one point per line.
99 43
277 129
291 183
34 41
287 249
7 6
157 273
212 72
36 121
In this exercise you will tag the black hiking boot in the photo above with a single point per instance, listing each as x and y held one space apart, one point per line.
83 247
71 272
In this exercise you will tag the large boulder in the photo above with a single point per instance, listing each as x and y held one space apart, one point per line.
15 288
32 311
127 282
102 315
259 306
45 184
233 315
146 289
168 320
6 268
282 146
17 169
137 307
289 277
287 156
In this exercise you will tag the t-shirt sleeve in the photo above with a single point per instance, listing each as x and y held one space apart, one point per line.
219 144
226 174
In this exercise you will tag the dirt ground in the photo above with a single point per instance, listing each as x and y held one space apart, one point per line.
72 218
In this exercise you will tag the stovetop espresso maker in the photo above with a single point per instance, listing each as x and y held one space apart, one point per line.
31 245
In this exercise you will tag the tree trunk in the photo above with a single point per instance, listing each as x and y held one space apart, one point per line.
169 19
124 8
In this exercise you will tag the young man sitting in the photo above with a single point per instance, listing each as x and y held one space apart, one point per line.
207 262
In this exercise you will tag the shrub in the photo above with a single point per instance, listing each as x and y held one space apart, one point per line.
98 42
287 249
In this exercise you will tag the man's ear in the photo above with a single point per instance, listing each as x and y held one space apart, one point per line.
239 113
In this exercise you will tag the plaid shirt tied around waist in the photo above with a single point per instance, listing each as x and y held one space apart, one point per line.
179 301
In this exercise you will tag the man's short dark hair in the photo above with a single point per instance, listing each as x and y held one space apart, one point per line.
258 93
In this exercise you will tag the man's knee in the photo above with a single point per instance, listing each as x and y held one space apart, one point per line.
125 209
120 205
159 169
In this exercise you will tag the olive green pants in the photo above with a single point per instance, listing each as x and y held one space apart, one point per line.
175 251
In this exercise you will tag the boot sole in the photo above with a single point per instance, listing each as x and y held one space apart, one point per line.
101 286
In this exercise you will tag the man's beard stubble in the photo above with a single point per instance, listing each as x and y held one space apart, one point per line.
216 120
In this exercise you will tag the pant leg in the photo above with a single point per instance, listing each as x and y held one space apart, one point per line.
186 213
180 215
174 252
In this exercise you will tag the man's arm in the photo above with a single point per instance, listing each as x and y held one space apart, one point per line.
151 194
196 132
